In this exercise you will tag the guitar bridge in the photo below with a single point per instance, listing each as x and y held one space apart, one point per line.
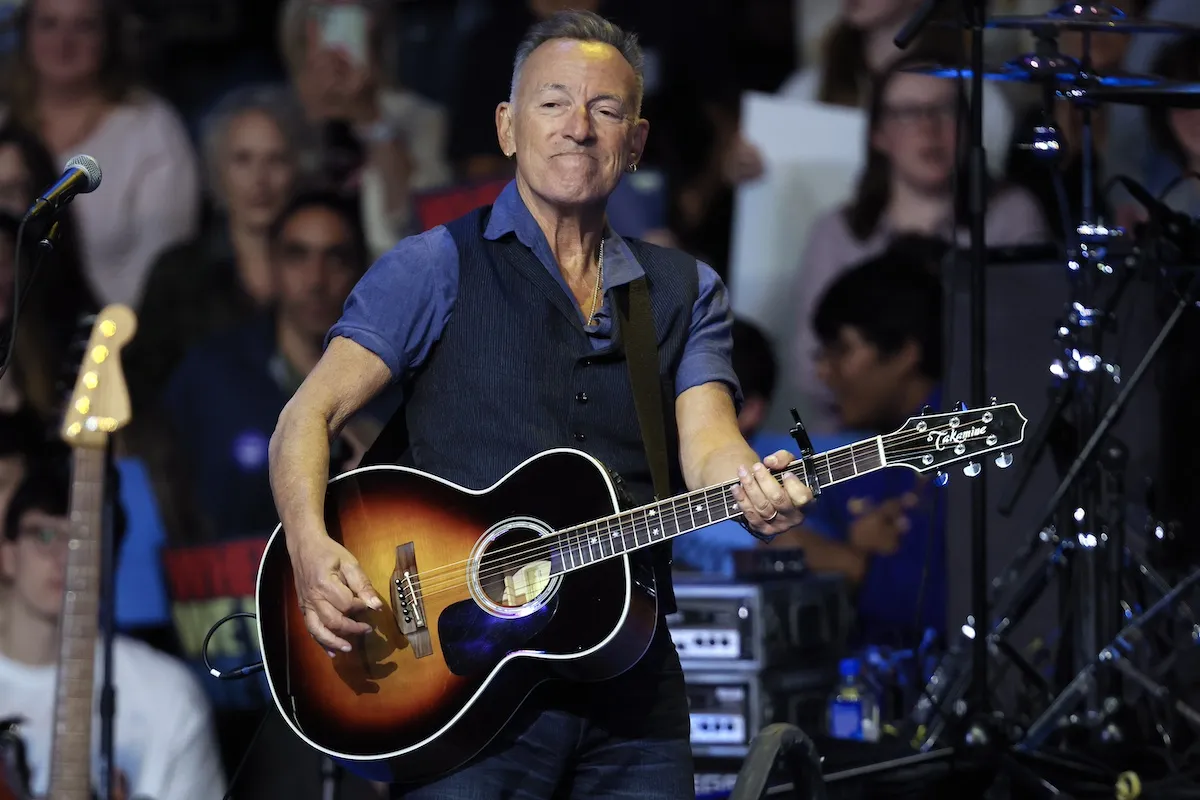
407 603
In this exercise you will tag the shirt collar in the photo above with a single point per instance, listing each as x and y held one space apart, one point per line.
510 215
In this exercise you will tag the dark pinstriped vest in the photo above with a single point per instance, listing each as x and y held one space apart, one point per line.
515 373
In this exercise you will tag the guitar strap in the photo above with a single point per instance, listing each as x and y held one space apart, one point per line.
636 322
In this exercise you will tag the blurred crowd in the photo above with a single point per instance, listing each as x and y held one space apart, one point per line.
251 176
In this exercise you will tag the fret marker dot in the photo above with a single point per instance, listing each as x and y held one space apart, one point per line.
651 512
699 508
655 531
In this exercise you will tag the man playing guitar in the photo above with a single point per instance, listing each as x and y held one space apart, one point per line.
501 327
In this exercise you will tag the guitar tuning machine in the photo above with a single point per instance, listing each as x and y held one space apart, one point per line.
1004 460
926 409
972 469
941 478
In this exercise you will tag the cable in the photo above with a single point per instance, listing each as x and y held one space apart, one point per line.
233 674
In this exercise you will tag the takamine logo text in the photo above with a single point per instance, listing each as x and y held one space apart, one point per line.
958 436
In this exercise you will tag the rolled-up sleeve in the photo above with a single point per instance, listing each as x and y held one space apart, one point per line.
708 353
400 307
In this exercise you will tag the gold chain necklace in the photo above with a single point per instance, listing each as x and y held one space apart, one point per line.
596 289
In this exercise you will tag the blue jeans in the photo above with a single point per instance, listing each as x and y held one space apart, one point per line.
624 739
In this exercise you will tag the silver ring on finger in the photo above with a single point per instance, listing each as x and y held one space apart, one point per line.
773 516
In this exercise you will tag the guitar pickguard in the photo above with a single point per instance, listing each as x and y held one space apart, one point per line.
473 640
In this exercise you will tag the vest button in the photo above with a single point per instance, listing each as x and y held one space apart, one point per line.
579 437
582 397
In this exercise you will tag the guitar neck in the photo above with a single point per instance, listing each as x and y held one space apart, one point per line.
70 761
650 524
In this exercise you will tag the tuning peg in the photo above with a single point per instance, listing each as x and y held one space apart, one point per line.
1004 460
994 401
960 406
941 478
926 409
972 469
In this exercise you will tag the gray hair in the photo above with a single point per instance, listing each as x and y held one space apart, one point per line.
276 102
581 26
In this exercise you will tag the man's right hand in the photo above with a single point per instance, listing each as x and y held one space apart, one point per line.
877 530
332 587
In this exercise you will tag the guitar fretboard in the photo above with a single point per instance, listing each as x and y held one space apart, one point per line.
70 761
657 522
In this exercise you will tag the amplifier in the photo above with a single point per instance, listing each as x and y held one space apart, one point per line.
728 708
721 624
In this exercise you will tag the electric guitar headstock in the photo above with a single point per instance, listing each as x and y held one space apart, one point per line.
99 404
930 442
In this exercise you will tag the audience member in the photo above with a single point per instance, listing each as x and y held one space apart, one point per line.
72 82
225 396
1058 183
165 747
375 138
38 356
1129 141
59 296
880 328
225 276
880 331
908 186
1173 164
859 49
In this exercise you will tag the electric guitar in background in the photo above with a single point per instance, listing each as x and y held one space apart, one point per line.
494 591
99 406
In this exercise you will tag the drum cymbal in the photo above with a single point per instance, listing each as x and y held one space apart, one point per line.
1089 16
1038 69
1167 95
1087 24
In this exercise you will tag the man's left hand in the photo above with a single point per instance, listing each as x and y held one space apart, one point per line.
771 504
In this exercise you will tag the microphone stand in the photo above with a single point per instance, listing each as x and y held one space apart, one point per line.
107 611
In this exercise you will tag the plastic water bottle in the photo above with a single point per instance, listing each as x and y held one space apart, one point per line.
853 708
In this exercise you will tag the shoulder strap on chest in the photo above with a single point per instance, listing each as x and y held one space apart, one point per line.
641 355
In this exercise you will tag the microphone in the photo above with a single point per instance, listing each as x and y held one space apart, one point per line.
1178 228
80 176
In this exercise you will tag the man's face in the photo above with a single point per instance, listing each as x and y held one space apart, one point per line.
34 564
573 127
865 383
315 265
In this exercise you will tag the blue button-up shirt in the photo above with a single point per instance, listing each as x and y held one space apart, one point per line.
401 305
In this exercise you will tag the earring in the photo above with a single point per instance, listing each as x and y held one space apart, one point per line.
632 166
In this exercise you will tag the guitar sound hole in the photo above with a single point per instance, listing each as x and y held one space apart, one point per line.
515 568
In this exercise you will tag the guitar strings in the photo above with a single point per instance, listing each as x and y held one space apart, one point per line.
577 535
546 547
841 460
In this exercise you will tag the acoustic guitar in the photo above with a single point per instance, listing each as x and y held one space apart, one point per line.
494 591
99 406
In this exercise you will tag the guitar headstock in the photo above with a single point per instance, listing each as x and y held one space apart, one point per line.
99 404
932 441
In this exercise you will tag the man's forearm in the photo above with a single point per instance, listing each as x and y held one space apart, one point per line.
299 464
